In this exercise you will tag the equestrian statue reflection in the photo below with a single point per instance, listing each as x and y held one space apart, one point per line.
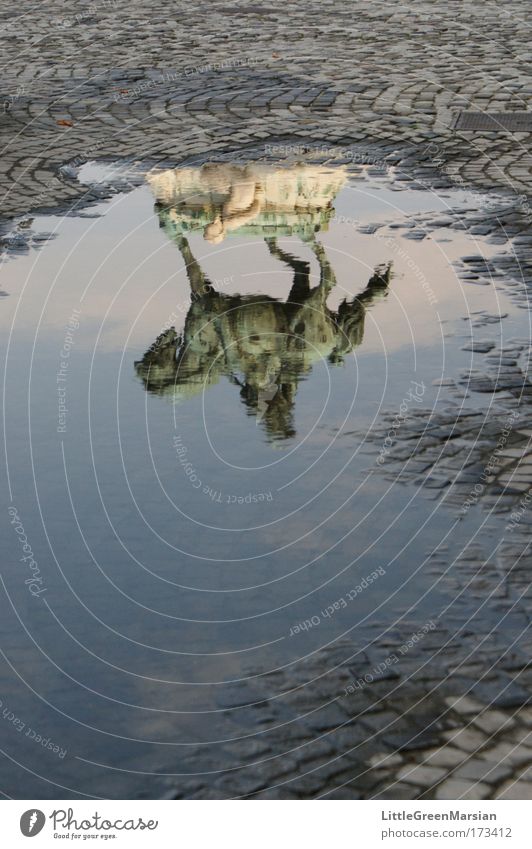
262 345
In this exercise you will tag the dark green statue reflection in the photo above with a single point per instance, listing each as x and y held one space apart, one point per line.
264 346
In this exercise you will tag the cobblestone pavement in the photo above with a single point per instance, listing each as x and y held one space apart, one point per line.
383 722
119 79
111 80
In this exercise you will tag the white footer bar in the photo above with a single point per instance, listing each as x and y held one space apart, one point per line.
265 825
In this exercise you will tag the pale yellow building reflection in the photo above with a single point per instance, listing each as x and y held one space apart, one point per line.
256 199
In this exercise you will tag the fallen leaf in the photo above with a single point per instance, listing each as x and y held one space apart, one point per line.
275 56
63 123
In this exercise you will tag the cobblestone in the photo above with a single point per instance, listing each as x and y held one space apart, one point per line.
142 83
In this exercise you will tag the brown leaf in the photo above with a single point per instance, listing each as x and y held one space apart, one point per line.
276 56
63 123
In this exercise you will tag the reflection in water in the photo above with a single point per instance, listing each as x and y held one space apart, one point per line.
187 605
253 199
263 345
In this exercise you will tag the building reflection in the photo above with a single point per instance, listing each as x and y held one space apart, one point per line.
264 346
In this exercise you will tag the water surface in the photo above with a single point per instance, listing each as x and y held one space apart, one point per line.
192 375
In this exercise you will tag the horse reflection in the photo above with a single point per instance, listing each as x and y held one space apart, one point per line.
264 346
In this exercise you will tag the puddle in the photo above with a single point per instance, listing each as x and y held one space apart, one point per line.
192 376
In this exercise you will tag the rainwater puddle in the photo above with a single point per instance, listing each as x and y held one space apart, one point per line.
192 376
